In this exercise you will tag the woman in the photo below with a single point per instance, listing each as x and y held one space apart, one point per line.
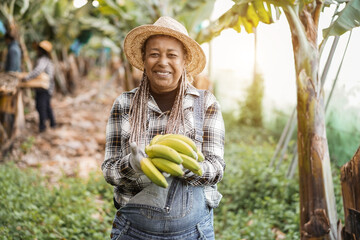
43 96
165 102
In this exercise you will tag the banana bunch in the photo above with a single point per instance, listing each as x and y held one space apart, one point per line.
250 14
166 153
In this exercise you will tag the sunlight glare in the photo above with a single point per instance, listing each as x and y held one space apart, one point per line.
95 3
79 3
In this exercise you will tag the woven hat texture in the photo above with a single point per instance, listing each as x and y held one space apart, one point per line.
135 39
46 45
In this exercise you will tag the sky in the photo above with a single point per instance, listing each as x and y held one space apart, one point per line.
232 62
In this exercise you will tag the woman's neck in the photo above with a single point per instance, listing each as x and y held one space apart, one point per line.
166 100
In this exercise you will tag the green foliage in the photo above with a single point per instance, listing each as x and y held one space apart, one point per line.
30 209
27 144
342 127
251 108
348 19
257 200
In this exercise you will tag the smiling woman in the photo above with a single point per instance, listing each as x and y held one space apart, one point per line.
164 103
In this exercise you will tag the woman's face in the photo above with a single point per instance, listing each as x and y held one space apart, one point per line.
164 61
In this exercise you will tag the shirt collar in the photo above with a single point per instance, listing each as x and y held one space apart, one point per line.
191 94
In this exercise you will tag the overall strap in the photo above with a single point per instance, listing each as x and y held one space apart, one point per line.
199 114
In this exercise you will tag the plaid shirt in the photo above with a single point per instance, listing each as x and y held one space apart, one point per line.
116 166
43 64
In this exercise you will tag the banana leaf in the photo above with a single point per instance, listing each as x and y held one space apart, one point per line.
24 7
348 19
192 15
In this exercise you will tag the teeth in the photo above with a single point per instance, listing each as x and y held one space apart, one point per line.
163 73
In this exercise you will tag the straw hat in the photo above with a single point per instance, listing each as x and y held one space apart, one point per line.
195 61
46 45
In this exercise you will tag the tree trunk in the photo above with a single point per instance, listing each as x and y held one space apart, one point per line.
59 75
129 81
26 57
318 218
73 72
350 178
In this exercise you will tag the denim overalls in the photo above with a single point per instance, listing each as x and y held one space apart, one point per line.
178 212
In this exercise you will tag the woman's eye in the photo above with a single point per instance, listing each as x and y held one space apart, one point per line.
172 55
154 54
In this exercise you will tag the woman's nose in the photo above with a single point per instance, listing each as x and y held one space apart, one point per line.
163 60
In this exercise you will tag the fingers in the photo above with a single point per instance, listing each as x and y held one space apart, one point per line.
133 148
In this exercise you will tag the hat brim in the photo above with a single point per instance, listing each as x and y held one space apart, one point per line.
135 39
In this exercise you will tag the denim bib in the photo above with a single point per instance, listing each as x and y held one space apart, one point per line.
176 208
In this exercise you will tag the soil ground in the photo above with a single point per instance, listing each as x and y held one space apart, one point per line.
76 146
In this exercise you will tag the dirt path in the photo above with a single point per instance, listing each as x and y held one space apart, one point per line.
76 146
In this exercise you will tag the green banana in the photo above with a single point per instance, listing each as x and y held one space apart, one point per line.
156 138
178 145
200 155
183 138
237 26
162 151
252 16
153 173
198 172
262 13
190 163
248 25
167 166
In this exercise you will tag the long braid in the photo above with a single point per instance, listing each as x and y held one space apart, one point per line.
138 111
176 118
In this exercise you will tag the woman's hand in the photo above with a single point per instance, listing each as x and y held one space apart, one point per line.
135 157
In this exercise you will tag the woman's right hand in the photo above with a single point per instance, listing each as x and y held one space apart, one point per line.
135 157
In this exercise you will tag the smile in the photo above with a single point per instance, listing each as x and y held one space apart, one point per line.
164 74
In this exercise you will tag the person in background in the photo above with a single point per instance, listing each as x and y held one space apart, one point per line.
165 102
43 96
13 57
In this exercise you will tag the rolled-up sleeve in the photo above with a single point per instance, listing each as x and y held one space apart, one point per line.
40 67
116 167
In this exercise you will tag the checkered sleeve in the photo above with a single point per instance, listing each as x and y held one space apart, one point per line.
116 166
39 68
213 146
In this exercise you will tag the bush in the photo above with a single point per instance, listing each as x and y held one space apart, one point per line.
256 199
30 209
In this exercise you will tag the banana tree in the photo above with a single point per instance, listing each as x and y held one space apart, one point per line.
318 218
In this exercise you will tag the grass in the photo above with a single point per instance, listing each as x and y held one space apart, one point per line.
32 209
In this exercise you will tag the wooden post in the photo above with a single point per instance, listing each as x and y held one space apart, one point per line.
19 115
350 179
59 75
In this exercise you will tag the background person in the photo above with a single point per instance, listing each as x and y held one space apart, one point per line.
13 57
165 102
43 96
